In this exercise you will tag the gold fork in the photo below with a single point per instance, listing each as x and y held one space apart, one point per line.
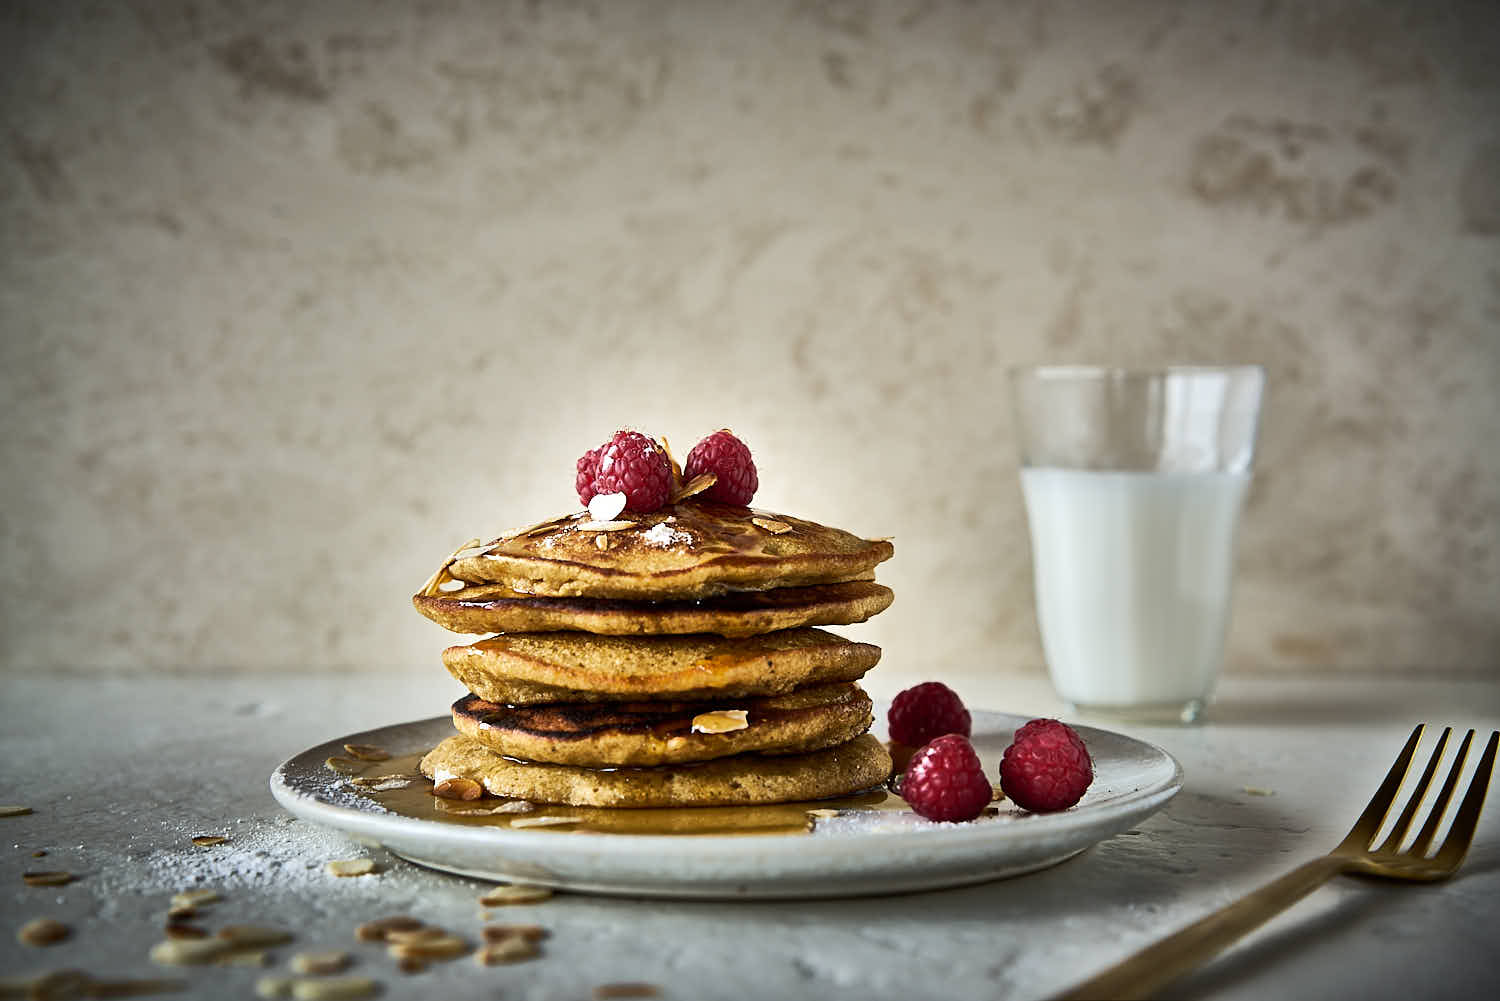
1147 971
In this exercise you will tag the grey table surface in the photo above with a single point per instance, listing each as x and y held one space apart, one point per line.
121 773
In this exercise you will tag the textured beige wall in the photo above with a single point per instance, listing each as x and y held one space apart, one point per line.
297 296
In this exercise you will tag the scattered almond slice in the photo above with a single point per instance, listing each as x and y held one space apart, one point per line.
465 789
190 899
253 935
771 525
442 576
272 987
996 794
443 947
382 783
514 893
509 950
606 507
131 988
181 929
605 991
189 951
320 964
513 806
823 814
377 930
411 964
693 487
209 840
243 957
55 984
47 878
345 766
543 821
1257 791
421 933
499 933
604 526
351 867
601 541
366 752
721 721
334 988
39 853
14 811
42 931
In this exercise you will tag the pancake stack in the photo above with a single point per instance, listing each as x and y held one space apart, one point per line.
663 659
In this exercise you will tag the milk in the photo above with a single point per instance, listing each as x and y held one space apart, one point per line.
1133 573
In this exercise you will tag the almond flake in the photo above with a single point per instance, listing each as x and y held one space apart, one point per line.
543 821
465 789
513 806
601 541
823 814
443 947
345 766
189 899
693 487
320 964
14 811
47 878
442 575
377 930
334 988
181 929
243 957
411 964
274 987
996 794
52 986
351 867
42 931
606 507
384 783
604 526
774 527
499 933
509 950
366 752
253 935
721 721
189 951
605 991
514 893
421 933
209 840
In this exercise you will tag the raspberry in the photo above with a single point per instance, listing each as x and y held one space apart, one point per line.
1046 767
945 780
629 463
929 710
583 482
724 455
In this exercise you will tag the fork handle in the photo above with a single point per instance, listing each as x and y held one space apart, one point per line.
1144 973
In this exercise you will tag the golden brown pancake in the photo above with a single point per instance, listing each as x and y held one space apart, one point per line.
693 549
741 779
530 668
495 608
600 735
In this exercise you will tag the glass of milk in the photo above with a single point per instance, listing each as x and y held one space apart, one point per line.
1133 480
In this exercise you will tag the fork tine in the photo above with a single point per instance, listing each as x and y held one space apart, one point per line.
1461 834
1368 824
1424 840
1413 801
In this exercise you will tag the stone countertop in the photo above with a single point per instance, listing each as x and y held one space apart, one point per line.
122 773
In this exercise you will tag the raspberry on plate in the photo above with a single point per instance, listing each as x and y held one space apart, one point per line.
945 780
925 711
728 458
1046 768
629 463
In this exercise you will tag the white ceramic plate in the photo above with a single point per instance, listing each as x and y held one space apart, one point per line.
896 853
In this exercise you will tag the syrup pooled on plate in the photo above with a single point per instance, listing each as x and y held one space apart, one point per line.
417 801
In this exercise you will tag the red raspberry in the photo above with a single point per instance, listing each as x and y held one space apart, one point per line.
1046 767
629 463
724 455
945 780
588 466
929 710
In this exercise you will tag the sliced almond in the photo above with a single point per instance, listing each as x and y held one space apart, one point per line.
499 933
14 811
384 783
996 793
606 507
421 933
377 930
273 987
253 935
771 525
320 964
601 541
509 950
367 752
209 840
412 964
442 576
465 789
549 821
445 947
42 931
181 929
39 853
514 893
334 988
345 766
55 986
822 814
134 988
511 806
243 957
351 867
191 899
47 878
189 951
693 487
603 526
721 721
631 990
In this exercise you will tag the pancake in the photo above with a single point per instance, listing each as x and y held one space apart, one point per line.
656 733
531 668
742 779
693 549
495 608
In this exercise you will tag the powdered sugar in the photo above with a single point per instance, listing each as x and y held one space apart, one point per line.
664 536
